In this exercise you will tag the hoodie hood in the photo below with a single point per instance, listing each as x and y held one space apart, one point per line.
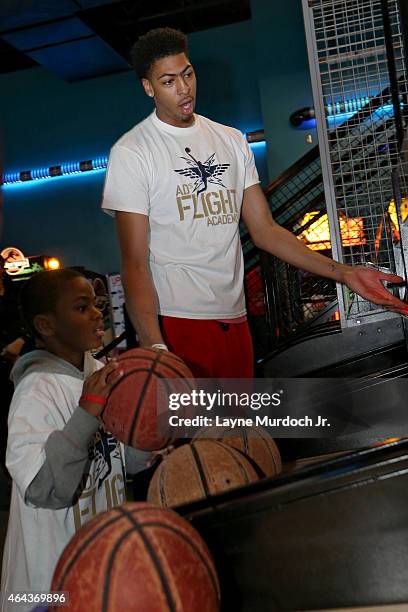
45 362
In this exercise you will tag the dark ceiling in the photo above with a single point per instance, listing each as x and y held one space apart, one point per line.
79 39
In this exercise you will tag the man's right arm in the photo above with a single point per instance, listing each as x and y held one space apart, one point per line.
140 293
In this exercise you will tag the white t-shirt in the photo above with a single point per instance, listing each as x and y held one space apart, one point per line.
36 537
190 182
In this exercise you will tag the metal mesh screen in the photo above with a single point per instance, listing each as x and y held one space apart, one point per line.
352 64
298 296
298 203
399 214
298 194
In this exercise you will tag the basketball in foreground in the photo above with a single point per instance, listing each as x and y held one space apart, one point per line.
132 412
137 558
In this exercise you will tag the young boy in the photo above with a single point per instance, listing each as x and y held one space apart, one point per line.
65 467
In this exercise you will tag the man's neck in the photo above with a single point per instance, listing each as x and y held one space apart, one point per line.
181 124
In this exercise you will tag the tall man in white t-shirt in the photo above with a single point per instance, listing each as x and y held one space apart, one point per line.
178 184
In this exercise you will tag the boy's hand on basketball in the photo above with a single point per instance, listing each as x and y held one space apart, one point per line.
98 386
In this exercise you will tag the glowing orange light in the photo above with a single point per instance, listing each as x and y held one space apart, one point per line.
394 217
387 441
52 263
317 235
336 316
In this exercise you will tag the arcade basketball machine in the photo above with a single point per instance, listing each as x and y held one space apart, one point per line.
335 534
357 63
359 80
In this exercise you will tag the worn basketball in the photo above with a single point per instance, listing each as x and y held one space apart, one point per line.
254 442
137 404
137 557
196 471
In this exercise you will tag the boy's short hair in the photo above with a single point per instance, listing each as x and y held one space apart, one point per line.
156 44
39 295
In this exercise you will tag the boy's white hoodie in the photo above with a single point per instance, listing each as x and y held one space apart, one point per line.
65 469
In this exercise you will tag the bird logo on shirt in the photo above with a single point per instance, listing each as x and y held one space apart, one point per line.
203 172
104 448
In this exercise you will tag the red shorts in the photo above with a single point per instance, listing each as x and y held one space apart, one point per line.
211 349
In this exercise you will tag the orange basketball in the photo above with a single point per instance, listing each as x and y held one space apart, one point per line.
135 558
131 413
198 470
254 442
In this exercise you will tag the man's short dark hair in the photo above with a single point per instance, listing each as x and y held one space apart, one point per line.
155 45
40 294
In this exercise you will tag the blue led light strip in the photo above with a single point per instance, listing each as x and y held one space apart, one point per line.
387 109
347 106
66 169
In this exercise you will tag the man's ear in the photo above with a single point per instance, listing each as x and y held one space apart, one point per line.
44 325
147 86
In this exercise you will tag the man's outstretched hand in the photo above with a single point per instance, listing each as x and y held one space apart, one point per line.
368 283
